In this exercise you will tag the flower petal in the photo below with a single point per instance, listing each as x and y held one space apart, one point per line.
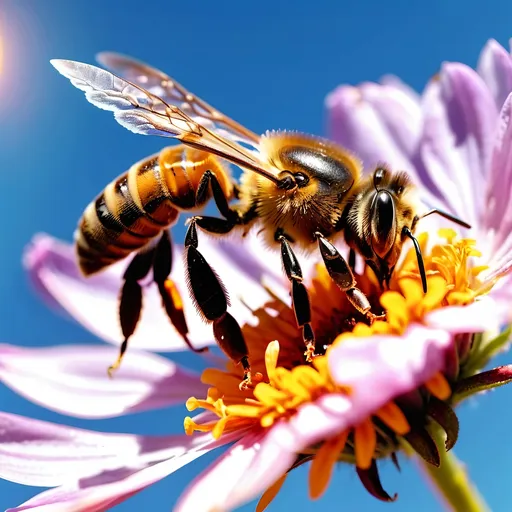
497 218
73 380
459 124
102 473
495 67
380 368
34 452
483 315
242 473
93 302
377 122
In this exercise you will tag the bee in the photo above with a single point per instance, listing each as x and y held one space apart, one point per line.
301 191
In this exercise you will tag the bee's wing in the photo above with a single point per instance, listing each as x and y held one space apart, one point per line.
142 112
173 93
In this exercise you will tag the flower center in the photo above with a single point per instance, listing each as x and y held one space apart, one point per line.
285 381
451 280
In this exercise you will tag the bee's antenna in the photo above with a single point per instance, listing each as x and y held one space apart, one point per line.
446 216
407 232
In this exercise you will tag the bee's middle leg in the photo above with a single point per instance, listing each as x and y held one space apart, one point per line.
342 275
300 298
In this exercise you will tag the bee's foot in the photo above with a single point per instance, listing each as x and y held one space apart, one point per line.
373 317
309 354
250 381
112 368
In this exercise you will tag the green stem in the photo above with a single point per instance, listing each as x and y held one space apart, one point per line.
451 479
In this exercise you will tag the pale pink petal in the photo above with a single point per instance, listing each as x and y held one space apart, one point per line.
397 83
73 380
243 472
484 315
39 453
116 477
377 122
495 67
381 123
497 218
93 302
380 368
460 120
263 456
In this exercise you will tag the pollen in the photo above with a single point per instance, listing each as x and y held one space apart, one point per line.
277 397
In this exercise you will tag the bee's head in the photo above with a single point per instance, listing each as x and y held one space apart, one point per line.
383 214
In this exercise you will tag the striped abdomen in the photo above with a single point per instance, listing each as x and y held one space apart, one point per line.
138 205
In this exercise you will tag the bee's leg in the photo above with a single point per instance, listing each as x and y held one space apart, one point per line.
130 302
342 275
300 297
209 179
171 298
211 298
352 259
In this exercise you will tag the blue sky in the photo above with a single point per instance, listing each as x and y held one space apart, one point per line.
269 64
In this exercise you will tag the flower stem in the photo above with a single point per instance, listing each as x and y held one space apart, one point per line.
451 479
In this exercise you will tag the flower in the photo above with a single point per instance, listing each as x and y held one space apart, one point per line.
92 471
375 389
358 403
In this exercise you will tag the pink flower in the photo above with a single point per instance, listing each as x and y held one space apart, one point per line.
374 386
92 471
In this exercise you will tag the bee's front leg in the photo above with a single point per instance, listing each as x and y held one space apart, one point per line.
342 275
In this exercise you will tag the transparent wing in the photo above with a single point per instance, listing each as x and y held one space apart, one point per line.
143 112
173 93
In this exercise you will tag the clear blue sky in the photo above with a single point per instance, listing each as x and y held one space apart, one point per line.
269 64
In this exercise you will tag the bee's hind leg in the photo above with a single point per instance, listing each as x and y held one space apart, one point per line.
210 296
343 276
300 298
130 300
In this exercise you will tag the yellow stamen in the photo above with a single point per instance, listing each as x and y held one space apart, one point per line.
365 440
320 471
439 386
277 399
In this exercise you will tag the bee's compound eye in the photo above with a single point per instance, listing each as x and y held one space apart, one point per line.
301 179
378 176
286 182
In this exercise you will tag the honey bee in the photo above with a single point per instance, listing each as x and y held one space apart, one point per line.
302 191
